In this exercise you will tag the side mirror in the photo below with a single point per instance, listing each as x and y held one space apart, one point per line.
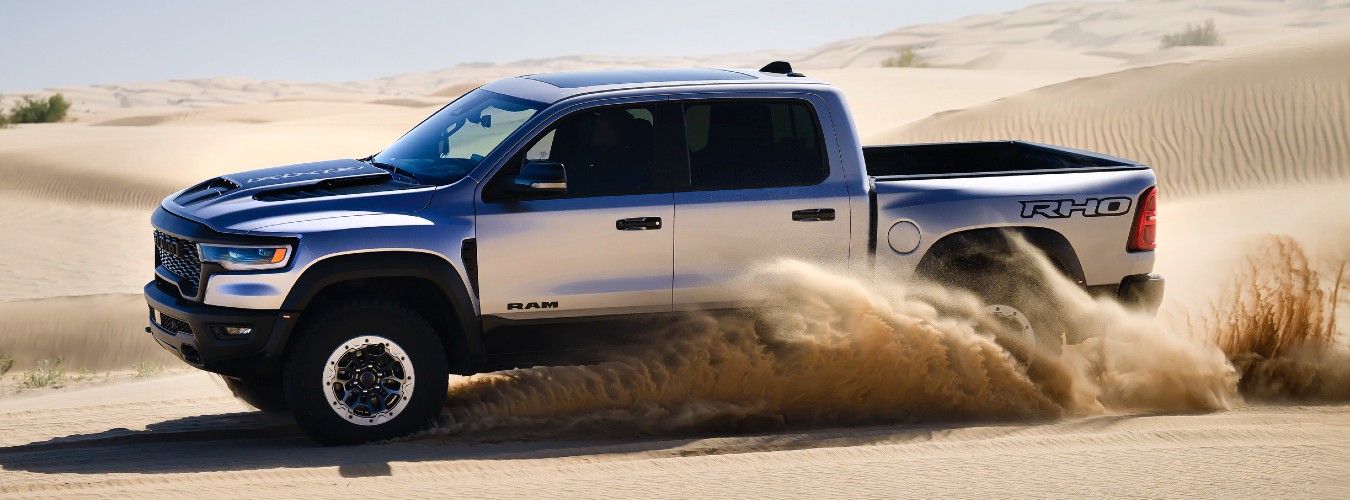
540 177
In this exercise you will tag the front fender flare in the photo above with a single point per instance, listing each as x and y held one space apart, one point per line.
391 264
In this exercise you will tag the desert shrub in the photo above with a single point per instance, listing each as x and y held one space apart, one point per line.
1278 326
6 362
147 369
32 110
908 57
48 372
1195 35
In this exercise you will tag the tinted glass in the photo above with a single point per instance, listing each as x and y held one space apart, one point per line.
747 144
447 146
606 152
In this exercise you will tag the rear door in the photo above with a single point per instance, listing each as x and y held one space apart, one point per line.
759 186
603 247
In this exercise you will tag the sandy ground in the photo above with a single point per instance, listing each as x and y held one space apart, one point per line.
1249 141
185 435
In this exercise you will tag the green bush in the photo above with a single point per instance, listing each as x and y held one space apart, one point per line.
147 369
1194 35
48 372
31 110
908 57
6 362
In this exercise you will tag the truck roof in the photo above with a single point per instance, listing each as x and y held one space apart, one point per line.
552 87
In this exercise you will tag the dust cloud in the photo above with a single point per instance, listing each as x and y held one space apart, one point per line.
849 352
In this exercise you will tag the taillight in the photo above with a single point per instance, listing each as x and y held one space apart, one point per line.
1145 230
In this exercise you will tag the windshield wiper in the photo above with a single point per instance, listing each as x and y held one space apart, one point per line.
394 169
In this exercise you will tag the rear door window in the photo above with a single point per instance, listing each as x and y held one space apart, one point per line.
753 144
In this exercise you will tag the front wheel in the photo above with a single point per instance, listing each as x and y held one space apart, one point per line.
366 370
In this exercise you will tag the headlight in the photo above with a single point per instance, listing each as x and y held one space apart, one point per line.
246 257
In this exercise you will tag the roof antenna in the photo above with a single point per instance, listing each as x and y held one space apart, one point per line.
779 67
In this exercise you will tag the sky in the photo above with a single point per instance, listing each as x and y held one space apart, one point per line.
55 43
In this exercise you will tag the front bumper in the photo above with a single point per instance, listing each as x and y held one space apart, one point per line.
1142 291
185 328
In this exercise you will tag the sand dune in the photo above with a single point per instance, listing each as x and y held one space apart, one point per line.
1099 36
225 91
1081 37
1255 119
56 249
193 93
139 165
884 98
281 110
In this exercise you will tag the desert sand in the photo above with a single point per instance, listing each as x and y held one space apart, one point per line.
1250 140
185 435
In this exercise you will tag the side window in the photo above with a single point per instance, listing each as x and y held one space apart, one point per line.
606 152
749 144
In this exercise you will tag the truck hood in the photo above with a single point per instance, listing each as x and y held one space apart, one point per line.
256 199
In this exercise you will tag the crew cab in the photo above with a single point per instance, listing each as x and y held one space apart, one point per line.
345 291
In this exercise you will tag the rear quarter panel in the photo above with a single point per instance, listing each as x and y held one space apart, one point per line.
941 207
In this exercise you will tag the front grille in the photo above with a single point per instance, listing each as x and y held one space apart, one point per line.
172 324
179 256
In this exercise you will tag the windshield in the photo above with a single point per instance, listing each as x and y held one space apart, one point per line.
447 146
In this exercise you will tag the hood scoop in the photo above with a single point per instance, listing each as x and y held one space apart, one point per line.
205 191
335 187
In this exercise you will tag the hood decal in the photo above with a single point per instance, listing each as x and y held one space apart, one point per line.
292 175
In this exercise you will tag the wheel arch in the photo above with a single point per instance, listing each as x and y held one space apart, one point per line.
428 283
986 243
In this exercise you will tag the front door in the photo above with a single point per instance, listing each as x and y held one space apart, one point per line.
600 248
760 188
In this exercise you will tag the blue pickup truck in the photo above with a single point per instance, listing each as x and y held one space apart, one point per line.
346 291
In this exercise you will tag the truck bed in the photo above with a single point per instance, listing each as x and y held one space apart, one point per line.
941 189
968 159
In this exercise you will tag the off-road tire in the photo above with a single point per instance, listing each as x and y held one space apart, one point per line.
308 391
995 283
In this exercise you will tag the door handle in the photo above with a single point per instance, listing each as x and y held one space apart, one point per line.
638 224
813 214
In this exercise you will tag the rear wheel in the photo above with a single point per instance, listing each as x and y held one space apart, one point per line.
1018 302
267 396
1014 322
366 370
